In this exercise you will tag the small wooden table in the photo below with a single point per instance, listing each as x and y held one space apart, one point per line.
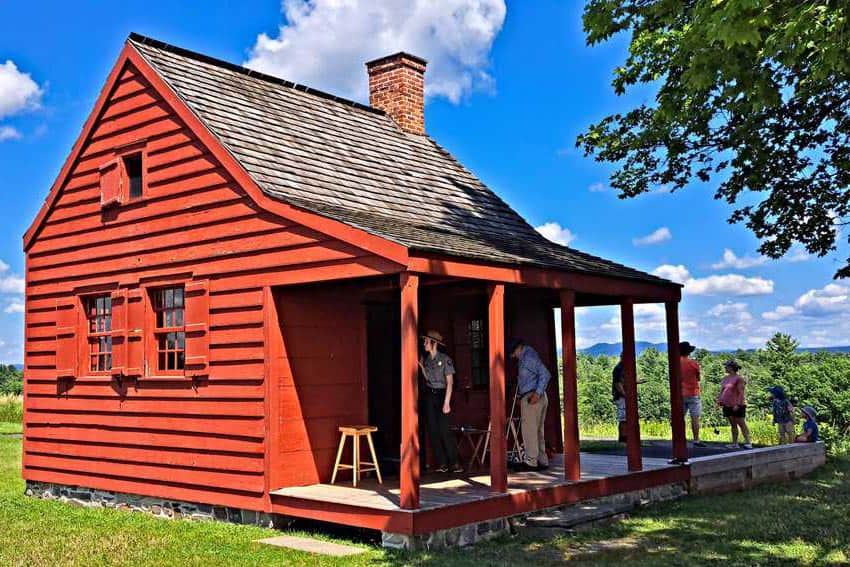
475 437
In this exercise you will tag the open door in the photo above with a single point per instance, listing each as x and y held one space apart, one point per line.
383 362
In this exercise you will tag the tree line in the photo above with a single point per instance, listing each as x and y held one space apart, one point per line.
819 379
11 380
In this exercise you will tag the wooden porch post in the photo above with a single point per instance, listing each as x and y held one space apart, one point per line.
677 421
496 334
630 378
409 481
572 463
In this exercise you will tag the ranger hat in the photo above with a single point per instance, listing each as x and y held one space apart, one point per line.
434 336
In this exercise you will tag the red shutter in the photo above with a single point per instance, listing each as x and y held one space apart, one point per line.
67 346
110 183
197 328
135 351
119 332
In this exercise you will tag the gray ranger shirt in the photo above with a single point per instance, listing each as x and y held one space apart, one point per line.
436 370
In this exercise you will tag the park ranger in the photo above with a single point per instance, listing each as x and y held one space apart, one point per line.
439 370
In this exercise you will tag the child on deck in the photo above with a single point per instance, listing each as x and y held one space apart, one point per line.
810 427
783 414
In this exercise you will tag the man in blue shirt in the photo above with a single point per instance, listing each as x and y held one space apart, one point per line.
532 378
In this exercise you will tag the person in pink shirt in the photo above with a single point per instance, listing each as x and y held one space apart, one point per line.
733 400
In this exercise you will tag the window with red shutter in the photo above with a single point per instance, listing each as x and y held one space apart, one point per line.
118 300
67 348
197 328
135 352
99 333
170 331
110 183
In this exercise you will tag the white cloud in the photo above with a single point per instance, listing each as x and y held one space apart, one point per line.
730 313
727 284
9 133
10 283
556 233
598 188
18 92
677 273
797 254
14 307
325 43
663 234
730 260
829 300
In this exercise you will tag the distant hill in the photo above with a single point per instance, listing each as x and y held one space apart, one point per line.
614 349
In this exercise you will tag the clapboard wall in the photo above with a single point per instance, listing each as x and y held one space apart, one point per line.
200 439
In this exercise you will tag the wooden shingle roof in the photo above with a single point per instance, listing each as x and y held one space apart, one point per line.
351 163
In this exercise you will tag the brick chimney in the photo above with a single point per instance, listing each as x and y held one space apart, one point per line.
397 86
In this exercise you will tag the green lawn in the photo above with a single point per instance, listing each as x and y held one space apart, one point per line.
6 428
804 522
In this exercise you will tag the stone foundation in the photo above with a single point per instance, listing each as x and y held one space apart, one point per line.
169 509
460 536
470 534
742 470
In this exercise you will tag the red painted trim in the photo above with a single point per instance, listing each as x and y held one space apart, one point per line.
409 481
498 506
572 462
496 335
341 231
643 292
633 454
677 422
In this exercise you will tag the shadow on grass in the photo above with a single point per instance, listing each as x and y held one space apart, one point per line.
803 522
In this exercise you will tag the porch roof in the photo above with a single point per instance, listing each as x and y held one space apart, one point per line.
351 163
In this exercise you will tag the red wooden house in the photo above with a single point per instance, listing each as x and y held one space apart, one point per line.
230 266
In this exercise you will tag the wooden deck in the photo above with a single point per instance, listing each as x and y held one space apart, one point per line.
447 500
439 490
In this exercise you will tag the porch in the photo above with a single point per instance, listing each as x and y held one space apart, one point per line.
450 501
348 354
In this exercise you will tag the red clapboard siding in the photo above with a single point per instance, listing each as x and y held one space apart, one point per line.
311 410
201 440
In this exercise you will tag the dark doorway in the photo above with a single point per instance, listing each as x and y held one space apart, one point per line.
383 359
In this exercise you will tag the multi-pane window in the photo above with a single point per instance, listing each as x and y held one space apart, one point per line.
99 316
168 305
133 168
478 354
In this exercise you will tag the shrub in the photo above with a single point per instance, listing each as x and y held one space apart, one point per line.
11 408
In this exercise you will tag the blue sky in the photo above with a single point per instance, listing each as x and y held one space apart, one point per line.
510 87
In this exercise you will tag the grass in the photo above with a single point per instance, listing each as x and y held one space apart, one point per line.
7 428
11 408
804 522
762 432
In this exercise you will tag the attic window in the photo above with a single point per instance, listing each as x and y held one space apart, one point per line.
133 170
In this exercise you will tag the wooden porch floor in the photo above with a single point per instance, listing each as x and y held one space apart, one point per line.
439 491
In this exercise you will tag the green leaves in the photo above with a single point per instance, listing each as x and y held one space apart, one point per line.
752 94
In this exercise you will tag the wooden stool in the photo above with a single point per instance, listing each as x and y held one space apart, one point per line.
356 432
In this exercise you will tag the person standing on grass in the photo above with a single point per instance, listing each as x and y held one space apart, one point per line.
783 414
439 371
690 388
733 400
